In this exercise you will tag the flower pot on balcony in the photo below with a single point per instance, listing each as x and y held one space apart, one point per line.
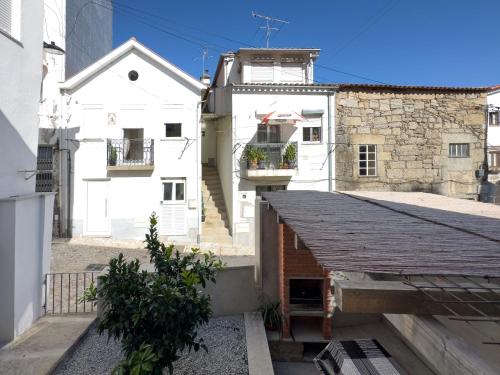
252 164
284 165
113 155
261 164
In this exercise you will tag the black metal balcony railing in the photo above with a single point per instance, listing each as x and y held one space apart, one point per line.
129 152
276 156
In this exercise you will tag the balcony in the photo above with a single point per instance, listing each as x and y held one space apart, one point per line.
270 160
130 154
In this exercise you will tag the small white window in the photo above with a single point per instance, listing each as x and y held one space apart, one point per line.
292 72
368 160
494 118
311 130
262 72
494 159
174 191
459 150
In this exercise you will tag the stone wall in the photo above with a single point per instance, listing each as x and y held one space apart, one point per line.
412 131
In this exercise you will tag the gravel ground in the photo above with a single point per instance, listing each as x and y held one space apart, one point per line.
224 337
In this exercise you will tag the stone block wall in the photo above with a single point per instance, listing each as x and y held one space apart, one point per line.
412 131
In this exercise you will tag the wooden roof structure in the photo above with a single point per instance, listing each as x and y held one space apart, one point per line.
394 233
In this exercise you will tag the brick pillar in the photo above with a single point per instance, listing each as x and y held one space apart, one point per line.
283 284
326 328
327 308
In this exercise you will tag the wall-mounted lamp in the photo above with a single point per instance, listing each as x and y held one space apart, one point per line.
52 48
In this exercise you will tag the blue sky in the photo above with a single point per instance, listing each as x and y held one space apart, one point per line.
423 42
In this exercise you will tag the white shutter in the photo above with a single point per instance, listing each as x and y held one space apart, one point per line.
292 73
262 72
173 220
6 15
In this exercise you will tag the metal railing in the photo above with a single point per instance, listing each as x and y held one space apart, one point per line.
275 156
64 291
130 152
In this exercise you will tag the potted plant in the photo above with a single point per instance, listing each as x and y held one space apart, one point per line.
113 156
271 315
290 156
250 154
261 158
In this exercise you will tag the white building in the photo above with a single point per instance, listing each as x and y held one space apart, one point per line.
494 134
25 217
83 30
133 121
266 99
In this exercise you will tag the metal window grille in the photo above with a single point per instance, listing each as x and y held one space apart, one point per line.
44 175
459 150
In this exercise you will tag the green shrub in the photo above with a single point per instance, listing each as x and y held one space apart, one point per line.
156 315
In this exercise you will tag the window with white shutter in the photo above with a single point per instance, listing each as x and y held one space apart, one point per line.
292 72
262 72
6 16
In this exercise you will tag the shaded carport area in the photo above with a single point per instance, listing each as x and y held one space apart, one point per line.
429 264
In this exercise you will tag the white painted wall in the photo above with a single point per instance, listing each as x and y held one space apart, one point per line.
157 97
21 77
494 131
312 157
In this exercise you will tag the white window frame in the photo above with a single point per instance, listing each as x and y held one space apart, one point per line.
256 64
290 77
459 150
367 160
494 159
174 182
14 32
305 125
494 115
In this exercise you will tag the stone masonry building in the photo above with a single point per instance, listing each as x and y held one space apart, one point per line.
404 138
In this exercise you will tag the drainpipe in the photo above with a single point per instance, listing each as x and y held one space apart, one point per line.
198 168
330 144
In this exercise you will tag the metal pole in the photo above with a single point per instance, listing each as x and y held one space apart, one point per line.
329 144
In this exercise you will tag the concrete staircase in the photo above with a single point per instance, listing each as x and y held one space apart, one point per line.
215 229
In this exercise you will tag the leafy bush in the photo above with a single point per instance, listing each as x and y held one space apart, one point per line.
156 315
290 153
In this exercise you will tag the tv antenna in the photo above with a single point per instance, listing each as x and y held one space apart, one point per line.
269 27
204 58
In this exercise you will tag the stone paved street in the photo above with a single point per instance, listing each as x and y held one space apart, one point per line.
78 255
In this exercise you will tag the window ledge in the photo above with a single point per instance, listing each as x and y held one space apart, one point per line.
12 38
166 139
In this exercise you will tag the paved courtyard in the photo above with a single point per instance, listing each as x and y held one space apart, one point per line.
78 255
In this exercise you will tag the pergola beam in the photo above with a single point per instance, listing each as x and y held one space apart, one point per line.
396 297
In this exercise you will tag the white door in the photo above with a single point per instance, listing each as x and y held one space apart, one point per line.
173 219
97 221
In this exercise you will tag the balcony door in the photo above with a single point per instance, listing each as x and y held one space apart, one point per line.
268 133
133 140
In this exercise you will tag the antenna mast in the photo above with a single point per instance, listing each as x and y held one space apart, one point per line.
269 28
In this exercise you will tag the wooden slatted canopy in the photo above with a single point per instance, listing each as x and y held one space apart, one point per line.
388 236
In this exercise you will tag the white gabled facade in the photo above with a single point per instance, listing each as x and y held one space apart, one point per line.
125 164
249 86
494 134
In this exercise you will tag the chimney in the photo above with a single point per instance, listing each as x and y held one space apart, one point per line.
205 78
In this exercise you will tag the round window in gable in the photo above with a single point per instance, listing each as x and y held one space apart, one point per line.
133 75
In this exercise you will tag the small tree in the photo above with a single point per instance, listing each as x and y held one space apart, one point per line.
156 315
